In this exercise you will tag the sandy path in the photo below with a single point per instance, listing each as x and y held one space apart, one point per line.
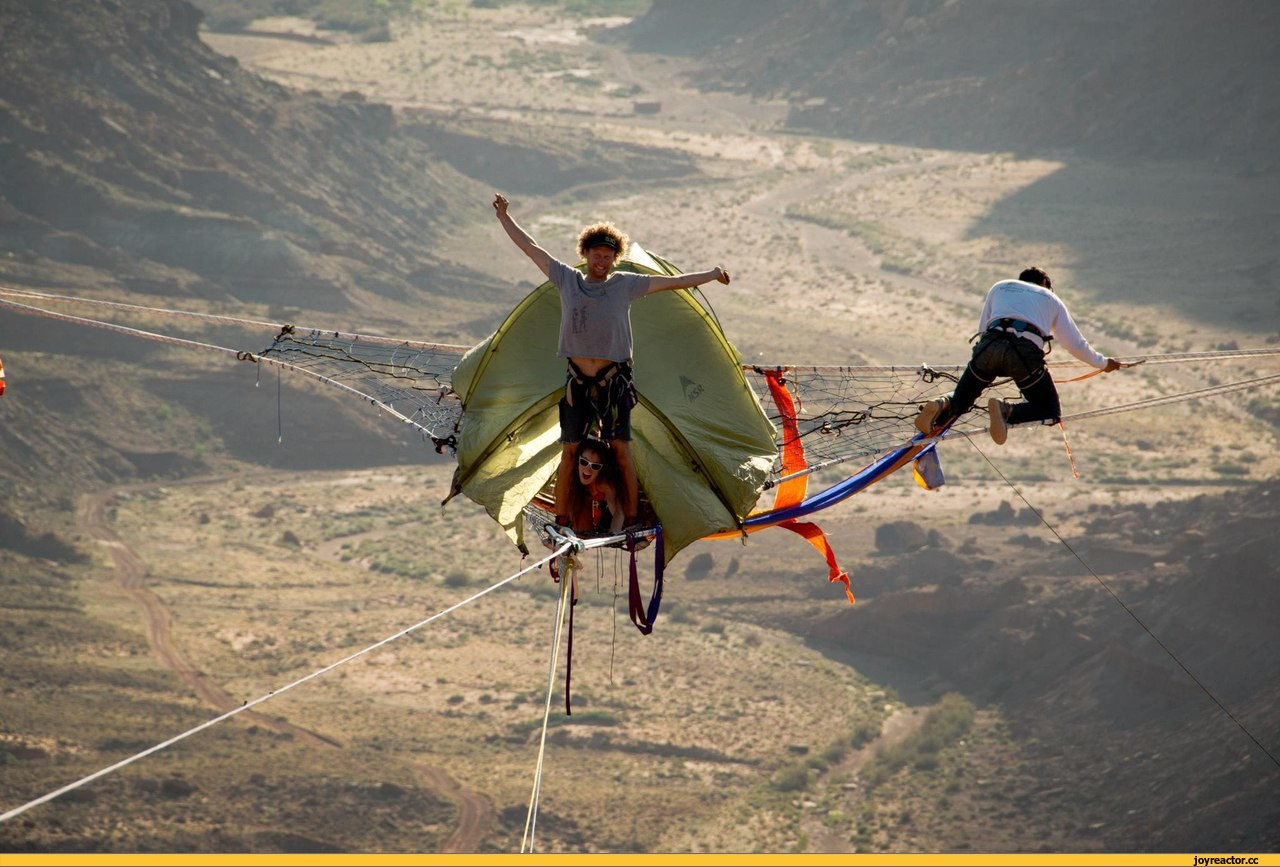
133 572
475 812
898 726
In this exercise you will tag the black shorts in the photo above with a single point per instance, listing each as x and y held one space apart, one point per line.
604 401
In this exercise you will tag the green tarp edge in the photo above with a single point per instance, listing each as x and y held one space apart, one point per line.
702 444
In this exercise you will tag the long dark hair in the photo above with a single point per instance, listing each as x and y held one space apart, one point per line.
608 473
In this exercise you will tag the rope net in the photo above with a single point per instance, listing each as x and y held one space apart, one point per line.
413 380
842 415
850 415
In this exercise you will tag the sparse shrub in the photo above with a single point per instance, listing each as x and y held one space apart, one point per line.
834 752
948 721
676 612
792 778
176 787
457 578
543 589
926 763
900 536
864 733
699 566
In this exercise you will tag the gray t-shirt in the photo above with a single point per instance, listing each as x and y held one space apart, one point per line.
595 316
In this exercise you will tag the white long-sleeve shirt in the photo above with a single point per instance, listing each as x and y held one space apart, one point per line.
1015 299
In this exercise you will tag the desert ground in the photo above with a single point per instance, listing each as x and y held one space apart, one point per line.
726 730
842 252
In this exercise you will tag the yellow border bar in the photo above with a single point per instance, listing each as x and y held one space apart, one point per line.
1172 859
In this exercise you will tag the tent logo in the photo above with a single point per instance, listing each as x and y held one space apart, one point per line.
692 390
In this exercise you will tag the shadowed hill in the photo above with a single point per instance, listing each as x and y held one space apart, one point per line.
1081 675
131 152
1149 79
133 158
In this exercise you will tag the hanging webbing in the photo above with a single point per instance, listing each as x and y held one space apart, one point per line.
814 535
568 659
1070 458
792 489
641 616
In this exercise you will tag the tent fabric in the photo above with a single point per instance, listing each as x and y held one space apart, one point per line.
701 442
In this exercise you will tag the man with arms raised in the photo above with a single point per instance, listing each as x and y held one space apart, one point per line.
595 338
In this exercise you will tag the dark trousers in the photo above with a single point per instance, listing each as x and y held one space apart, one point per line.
1002 354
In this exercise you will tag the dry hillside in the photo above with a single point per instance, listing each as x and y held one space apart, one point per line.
180 533
1154 79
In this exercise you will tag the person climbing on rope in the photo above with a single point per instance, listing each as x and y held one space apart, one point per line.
595 339
1019 318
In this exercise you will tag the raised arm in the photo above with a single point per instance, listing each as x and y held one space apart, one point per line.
522 239
687 281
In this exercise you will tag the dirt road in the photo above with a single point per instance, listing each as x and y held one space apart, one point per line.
133 572
475 812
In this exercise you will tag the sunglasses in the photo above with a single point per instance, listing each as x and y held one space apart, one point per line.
583 462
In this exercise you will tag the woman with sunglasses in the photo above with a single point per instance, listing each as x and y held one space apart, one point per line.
594 504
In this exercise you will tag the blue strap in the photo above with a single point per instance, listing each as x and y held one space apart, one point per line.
859 481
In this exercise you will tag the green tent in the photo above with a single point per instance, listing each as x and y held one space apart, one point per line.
701 443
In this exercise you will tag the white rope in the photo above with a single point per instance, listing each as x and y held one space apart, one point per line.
212 317
123 329
1211 391
1180 357
1166 358
240 355
567 539
566 592
17 811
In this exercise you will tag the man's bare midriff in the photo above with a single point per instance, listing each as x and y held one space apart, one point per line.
590 366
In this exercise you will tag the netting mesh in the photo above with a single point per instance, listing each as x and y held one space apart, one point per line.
844 413
410 380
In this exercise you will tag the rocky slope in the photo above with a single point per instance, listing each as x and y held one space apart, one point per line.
132 154
1149 79
1154 675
